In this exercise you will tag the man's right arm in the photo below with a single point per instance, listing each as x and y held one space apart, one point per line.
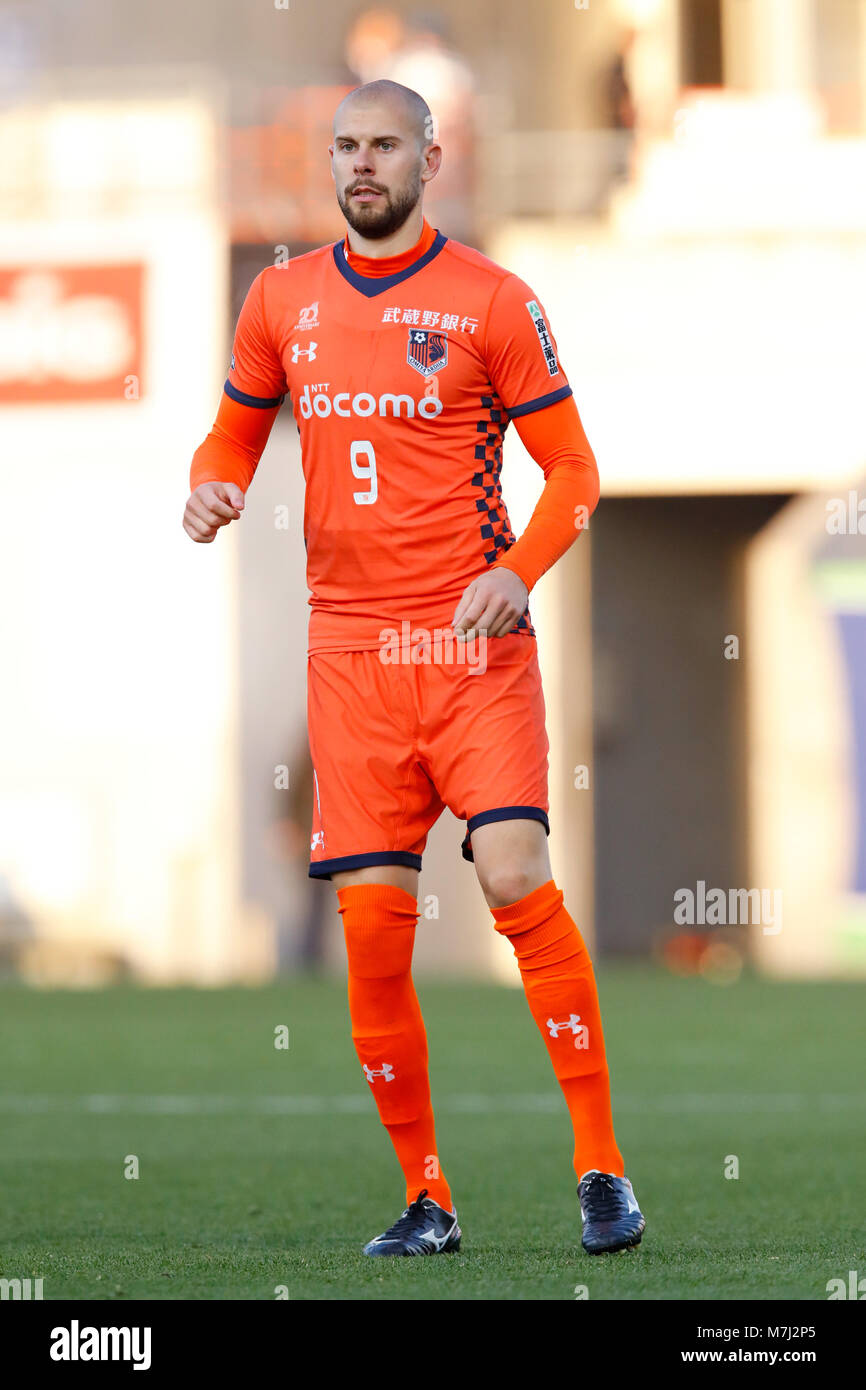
223 467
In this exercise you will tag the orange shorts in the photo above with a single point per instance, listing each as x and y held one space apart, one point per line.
393 744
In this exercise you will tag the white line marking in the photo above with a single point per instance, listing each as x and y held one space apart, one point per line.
463 1104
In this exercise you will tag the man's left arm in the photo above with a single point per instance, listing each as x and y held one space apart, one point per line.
524 366
556 439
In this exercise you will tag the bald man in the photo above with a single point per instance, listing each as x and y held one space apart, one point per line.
406 355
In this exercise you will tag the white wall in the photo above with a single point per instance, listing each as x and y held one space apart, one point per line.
118 805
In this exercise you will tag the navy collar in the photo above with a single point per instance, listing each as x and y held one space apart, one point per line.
371 285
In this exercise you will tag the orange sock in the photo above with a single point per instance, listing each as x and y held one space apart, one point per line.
560 990
387 1028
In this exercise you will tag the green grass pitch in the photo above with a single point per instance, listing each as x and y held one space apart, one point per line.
261 1168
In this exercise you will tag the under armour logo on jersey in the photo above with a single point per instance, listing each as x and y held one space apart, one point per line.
318 841
308 352
385 1070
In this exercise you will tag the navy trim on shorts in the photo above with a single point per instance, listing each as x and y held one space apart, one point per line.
501 813
323 868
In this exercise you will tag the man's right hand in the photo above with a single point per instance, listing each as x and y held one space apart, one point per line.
211 506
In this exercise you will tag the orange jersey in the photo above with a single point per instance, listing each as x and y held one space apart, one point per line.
402 388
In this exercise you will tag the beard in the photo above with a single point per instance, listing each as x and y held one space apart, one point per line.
378 220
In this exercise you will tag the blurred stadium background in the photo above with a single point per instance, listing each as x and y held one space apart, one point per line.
684 183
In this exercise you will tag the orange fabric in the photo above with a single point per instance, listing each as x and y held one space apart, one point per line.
233 449
393 743
387 265
387 1027
231 452
453 523
556 440
402 387
560 988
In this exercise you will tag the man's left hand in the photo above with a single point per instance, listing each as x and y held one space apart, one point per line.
491 604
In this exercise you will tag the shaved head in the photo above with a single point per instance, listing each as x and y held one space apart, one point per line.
408 105
383 152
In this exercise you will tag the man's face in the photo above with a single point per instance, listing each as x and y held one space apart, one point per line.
377 163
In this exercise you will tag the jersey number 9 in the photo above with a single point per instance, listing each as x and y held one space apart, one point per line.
363 446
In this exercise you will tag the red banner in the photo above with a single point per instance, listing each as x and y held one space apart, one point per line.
71 333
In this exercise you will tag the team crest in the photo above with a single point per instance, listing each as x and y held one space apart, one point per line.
427 351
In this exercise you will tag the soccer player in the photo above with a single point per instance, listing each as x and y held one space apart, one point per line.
406 355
